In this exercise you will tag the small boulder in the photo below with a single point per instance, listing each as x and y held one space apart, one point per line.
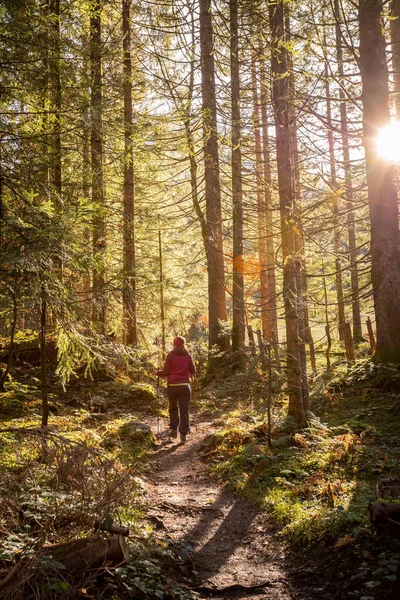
98 404
134 431
142 393
245 418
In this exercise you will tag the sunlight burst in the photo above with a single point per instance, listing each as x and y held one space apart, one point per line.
388 142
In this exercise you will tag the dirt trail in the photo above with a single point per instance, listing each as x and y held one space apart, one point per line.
232 542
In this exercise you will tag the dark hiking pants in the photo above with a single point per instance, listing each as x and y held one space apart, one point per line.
179 401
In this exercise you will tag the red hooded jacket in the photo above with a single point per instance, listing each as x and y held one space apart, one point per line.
178 367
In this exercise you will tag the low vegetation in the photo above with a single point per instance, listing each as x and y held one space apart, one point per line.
85 468
316 483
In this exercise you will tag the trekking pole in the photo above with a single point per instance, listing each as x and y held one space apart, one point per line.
193 393
158 407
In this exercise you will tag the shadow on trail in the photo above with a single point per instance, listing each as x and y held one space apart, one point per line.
221 541
219 521
168 448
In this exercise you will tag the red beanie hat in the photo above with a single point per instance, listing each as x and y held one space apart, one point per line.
179 341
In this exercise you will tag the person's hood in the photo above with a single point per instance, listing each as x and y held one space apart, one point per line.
179 351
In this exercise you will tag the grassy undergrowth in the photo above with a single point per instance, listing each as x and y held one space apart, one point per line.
317 483
85 467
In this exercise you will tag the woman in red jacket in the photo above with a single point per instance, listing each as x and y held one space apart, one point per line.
178 368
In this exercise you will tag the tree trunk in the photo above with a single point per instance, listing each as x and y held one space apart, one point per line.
190 141
327 326
355 300
395 44
217 313
43 358
261 211
2 209
56 98
382 194
129 281
87 234
300 264
162 308
96 105
335 210
281 91
238 318
4 374
270 249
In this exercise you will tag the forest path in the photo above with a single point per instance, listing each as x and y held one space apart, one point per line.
232 541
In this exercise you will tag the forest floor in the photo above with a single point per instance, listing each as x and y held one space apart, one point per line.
223 516
231 547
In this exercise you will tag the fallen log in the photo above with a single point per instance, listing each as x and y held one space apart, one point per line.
382 514
82 559
59 550
92 554
97 556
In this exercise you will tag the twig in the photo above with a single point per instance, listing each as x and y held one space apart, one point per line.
11 574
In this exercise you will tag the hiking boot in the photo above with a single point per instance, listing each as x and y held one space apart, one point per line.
183 438
173 433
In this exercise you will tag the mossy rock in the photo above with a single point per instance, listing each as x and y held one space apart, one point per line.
143 394
135 395
135 431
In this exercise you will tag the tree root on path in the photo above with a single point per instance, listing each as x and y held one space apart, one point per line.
204 589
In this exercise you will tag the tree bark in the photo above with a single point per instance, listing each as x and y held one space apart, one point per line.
238 317
190 141
395 44
217 313
300 263
43 358
355 300
89 555
261 209
270 245
335 210
382 194
4 374
56 93
2 209
87 234
96 105
281 92
129 279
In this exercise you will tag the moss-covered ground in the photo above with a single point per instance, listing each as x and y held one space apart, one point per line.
86 466
316 483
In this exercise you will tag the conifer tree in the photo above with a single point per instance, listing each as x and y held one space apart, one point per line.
238 308
215 258
382 194
129 282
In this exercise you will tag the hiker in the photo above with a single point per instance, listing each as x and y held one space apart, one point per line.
178 368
